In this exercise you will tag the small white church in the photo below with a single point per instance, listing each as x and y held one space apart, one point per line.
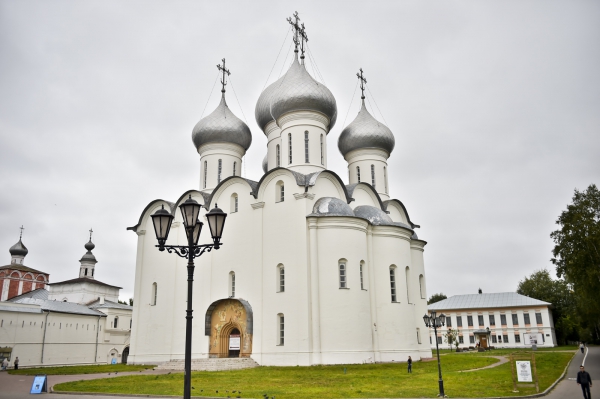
313 269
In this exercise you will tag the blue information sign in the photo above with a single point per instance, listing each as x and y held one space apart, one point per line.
40 384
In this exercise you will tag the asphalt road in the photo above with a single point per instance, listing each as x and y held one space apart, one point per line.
18 386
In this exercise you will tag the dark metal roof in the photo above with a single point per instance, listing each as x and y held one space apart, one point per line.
84 280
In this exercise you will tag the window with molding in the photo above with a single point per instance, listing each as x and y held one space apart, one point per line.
393 283
280 329
342 274
154 294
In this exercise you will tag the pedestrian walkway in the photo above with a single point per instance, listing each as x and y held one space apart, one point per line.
568 387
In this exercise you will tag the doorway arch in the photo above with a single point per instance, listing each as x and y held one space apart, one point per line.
227 317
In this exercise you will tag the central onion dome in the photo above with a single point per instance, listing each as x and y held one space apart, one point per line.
295 91
18 249
222 126
366 132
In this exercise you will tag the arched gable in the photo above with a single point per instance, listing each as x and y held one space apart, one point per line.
272 176
342 192
216 193
365 194
168 205
401 209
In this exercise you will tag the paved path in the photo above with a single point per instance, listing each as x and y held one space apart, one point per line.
568 387
503 359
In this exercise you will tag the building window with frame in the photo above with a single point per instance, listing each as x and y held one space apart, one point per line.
373 175
538 318
418 335
306 146
220 168
471 339
154 294
461 339
494 340
448 321
515 319
526 318
407 275
422 286
503 319
439 339
281 329
290 148
385 179
358 173
362 283
480 320
470 321
234 168
277 155
234 203
499 338
517 339
492 320
231 284
279 191
205 173
322 153
393 283
458 321
505 338
342 272
115 323
281 277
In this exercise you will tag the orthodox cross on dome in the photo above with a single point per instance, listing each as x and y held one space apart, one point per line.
363 80
91 231
22 228
296 27
303 38
226 73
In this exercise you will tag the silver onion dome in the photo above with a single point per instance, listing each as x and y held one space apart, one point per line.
366 132
265 163
375 216
330 206
222 126
89 256
262 112
18 249
298 91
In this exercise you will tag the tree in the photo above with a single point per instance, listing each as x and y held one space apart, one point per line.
564 304
451 338
576 254
436 298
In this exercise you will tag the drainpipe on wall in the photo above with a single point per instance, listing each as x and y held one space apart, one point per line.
97 332
44 339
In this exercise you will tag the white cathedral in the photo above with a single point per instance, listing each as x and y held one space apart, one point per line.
312 270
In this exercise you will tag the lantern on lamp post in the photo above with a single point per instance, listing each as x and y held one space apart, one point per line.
434 321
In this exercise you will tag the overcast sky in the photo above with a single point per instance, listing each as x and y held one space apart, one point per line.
495 107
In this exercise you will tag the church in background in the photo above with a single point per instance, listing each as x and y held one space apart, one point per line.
315 268
77 321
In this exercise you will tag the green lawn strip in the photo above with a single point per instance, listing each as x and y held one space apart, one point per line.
89 369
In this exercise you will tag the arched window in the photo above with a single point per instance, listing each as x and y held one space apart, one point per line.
290 147
362 281
322 155
306 146
280 329
422 286
92 272
281 278
116 322
205 174
153 294
234 203
234 168
279 192
231 284
358 173
393 283
278 155
373 175
85 272
343 274
385 179
407 271
219 171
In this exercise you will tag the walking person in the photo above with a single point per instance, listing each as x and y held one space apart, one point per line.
584 379
17 363
410 365
581 346
4 364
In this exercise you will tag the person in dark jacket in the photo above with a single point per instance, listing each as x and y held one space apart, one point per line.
409 364
584 379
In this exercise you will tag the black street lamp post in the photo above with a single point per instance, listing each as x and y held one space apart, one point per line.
437 322
162 220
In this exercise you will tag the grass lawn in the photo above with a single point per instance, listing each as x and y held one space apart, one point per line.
89 369
359 381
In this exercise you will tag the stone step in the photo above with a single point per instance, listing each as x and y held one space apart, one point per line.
211 364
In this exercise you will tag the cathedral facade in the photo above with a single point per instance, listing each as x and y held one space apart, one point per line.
313 270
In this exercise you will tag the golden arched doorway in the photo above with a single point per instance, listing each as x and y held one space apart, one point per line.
228 320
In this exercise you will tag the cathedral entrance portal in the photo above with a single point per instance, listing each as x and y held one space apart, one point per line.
228 323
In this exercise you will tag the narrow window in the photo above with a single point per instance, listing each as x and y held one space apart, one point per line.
278 155
234 167
116 321
461 339
515 319
281 276
470 321
281 325
130 323
362 283
219 172
538 318
342 268
358 173
480 320
205 173
154 294
306 146
279 192
458 321
439 339
494 339
418 335
234 203
92 272
373 175
422 286
322 156
471 339
385 179
526 318
505 338
492 320
407 272
448 321
503 319
290 147
500 338
393 283
232 284
518 338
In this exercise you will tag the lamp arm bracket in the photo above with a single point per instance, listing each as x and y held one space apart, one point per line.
184 250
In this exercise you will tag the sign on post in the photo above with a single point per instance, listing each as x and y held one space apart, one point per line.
40 384
524 371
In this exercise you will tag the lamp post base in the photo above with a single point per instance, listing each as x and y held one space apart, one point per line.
441 384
